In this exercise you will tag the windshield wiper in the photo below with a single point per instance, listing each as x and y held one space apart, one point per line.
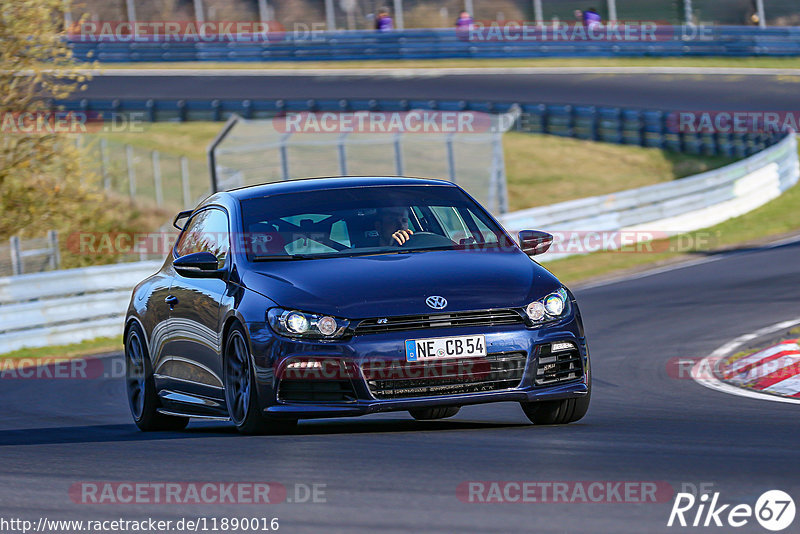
287 257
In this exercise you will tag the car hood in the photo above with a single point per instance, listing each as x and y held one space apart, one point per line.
397 284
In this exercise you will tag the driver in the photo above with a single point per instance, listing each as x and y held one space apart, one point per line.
392 226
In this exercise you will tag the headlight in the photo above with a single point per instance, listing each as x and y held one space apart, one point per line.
293 323
552 307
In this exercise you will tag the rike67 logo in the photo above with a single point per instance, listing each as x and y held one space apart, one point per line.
774 510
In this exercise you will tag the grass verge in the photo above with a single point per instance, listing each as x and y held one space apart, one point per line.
89 347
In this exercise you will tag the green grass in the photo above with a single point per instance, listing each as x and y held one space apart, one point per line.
750 62
778 217
90 347
545 169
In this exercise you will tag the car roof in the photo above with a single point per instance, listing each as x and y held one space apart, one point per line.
337 182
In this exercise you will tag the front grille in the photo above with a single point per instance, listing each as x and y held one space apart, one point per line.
316 391
398 379
554 368
439 320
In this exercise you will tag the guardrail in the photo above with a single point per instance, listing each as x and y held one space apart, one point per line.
643 127
670 208
509 42
62 307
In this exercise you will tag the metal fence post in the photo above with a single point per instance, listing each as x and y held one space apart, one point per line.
199 16
131 171
762 18
469 8
612 10
398 155
688 15
284 157
263 11
538 12
16 256
104 164
157 178
451 159
55 253
499 164
330 16
187 195
342 149
398 15
131 10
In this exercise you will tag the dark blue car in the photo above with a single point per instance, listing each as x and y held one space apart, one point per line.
336 297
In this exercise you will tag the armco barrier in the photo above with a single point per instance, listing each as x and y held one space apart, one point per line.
676 207
62 307
442 43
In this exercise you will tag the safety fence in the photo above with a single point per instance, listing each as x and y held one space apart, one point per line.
30 255
69 306
510 40
169 180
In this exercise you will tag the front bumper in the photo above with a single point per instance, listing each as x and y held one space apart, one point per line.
272 352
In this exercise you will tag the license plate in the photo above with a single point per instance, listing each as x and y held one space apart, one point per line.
445 347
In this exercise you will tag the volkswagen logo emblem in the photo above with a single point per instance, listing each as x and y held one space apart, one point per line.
436 302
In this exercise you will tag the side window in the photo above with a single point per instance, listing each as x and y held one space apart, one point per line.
206 232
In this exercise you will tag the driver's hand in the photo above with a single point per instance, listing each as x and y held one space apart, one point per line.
401 236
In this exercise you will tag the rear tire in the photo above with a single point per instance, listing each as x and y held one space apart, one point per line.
424 414
241 395
141 388
559 412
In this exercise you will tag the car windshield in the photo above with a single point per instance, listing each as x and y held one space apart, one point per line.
365 220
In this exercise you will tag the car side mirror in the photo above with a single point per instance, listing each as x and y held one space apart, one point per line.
534 242
198 265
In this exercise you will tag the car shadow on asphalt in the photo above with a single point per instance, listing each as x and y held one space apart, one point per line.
129 432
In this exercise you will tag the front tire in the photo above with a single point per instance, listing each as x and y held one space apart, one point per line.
559 412
141 388
241 396
424 414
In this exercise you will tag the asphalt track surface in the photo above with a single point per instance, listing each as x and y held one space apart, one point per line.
389 473
675 92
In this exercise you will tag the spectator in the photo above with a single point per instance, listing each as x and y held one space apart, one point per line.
384 22
591 17
464 21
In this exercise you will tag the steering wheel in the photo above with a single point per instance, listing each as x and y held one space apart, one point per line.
427 239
